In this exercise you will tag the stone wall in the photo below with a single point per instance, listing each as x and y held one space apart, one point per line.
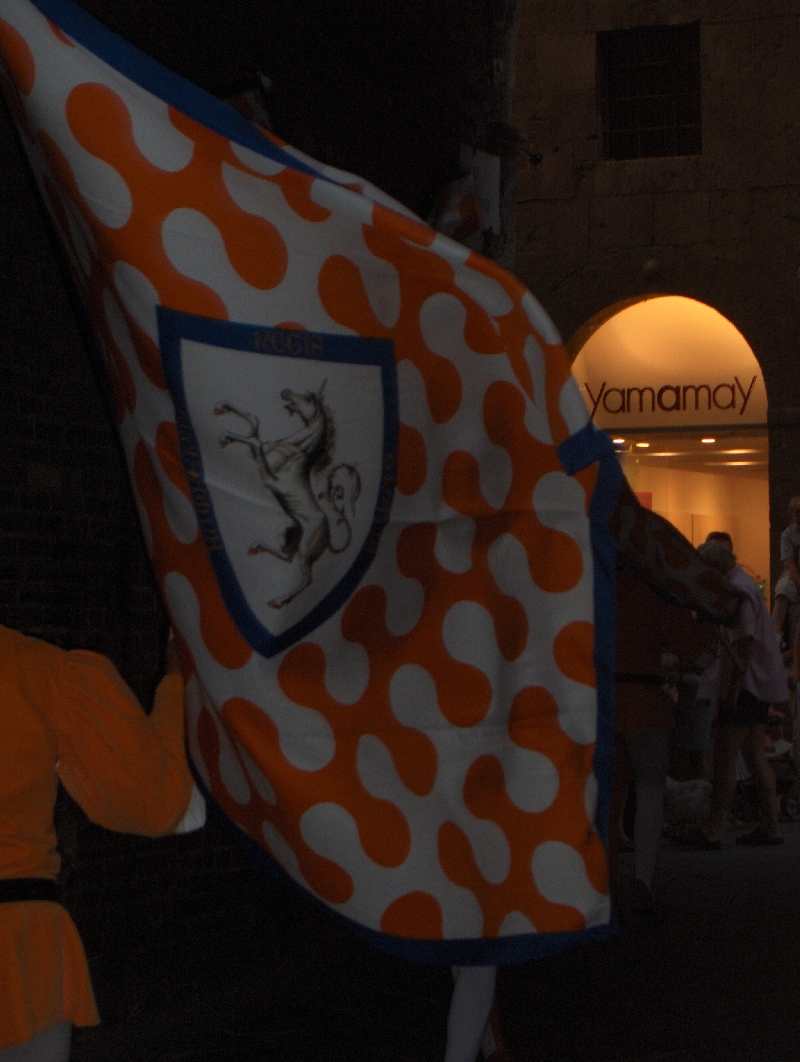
722 227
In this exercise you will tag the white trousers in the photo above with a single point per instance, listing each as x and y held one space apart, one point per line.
470 1007
52 1045
648 748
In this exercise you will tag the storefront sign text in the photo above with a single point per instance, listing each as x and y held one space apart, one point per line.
672 398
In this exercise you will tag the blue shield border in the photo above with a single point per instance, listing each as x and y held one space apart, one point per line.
173 327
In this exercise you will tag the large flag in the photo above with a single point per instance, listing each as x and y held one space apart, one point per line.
374 505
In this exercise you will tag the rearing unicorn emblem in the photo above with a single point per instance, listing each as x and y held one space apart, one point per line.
316 520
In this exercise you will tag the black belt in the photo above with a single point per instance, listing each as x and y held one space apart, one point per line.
642 679
14 890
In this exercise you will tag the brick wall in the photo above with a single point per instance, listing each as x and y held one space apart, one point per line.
721 227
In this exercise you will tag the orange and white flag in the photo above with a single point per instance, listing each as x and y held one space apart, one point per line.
373 500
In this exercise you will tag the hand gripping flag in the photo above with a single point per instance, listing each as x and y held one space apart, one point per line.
373 501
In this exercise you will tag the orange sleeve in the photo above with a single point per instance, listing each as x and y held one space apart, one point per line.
127 770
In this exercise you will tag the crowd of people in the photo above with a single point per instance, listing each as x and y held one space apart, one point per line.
698 700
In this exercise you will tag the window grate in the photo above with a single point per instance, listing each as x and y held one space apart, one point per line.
648 91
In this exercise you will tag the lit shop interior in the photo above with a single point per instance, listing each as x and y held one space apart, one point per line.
679 390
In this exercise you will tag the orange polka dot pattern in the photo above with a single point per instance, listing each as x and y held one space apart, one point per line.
422 761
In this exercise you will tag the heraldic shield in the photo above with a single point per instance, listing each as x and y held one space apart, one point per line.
374 503
289 444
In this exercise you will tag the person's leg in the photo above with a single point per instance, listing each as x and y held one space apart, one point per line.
473 994
52 1045
727 742
779 613
764 778
648 748
492 1043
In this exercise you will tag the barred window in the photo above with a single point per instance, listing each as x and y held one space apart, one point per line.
648 91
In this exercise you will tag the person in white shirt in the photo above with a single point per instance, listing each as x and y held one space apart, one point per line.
748 676
788 585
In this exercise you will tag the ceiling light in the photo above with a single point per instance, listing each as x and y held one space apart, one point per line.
618 442
708 440
738 451
643 446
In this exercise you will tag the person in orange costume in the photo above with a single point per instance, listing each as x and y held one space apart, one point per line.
69 715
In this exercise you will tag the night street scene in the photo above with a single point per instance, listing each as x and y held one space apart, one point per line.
399 531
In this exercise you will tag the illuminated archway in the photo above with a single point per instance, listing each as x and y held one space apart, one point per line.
680 388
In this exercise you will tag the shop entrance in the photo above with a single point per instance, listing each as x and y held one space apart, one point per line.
679 390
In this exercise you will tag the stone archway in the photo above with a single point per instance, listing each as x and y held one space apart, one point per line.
680 390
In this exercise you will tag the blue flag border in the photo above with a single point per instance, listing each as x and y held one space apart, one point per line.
168 86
